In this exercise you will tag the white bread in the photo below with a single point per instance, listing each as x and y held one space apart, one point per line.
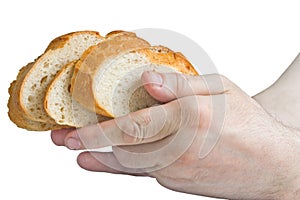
83 80
60 105
120 90
15 113
60 51
106 80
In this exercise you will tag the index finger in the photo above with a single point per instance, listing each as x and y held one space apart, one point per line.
144 126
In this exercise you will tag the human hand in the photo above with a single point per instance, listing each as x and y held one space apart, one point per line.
214 141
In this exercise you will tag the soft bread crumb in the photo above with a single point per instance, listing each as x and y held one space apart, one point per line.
62 107
46 67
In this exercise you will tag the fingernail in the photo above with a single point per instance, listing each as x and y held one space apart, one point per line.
156 78
73 144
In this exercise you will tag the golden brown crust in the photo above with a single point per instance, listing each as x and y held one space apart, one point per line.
60 41
20 90
118 33
116 43
15 113
163 56
91 61
57 43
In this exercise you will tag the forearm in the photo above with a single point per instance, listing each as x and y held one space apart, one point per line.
282 99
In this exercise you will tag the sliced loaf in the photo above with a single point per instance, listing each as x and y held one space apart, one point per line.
83 81
14 109
115 80
60 105
60 51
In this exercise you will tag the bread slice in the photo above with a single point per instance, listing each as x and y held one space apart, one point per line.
14 109
60 51
59 103
121 90
61 107
83 81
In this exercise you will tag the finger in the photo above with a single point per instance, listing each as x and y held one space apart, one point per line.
169 86
58 136
105 162
152 157
144 126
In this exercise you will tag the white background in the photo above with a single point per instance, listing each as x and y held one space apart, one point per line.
251 42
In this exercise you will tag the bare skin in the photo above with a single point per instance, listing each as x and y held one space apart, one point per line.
282 99
252 155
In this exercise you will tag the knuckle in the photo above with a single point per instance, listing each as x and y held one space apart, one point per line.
181 83
196 111
226 82
189 110
135 131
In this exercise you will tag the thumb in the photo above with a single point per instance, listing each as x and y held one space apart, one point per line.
169 86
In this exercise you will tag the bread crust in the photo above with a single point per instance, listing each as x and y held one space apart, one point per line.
162 56
60 41
114 33
55 44
93 59
14 109
116 43
165 56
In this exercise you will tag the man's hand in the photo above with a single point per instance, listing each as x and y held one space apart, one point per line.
209 138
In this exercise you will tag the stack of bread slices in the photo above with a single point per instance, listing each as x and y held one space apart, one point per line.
84 78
